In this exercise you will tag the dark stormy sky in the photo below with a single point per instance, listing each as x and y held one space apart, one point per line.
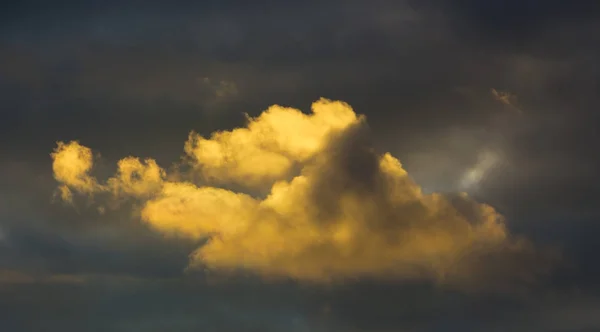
498 99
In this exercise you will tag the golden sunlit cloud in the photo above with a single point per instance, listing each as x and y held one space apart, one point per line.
335 209
269 146
71 166
136 178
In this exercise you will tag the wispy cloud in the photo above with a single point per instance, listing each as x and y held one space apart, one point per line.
506 98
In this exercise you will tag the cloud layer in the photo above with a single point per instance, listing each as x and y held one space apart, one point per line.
334 208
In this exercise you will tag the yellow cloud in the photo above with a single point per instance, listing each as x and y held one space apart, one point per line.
270 145
186 210
136 178
336 209
72 163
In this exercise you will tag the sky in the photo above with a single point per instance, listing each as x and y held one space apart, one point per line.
301 166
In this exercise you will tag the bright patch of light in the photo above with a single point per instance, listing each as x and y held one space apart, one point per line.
474 175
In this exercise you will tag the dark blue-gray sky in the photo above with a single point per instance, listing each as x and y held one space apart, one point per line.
134 77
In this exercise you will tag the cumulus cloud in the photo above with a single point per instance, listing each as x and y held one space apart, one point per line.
335 208
135 178
71 166
267 149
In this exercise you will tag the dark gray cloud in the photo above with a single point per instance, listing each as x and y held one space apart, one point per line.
129 78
